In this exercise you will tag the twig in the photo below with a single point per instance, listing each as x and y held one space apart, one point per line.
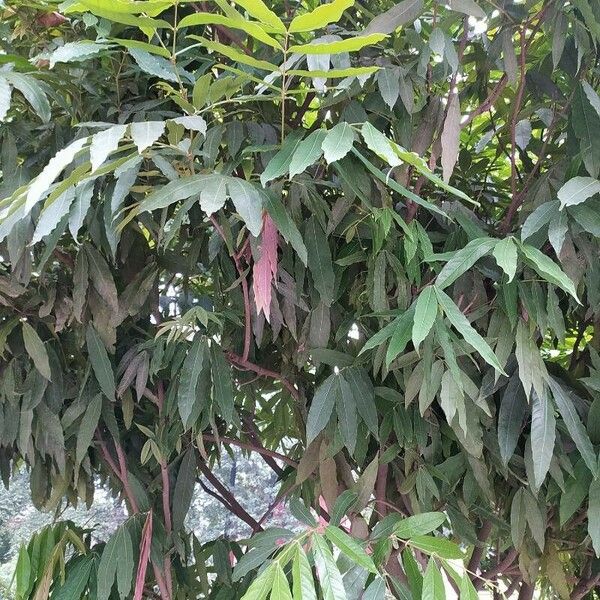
247 446
245 364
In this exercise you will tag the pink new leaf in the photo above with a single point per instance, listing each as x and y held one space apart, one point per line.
265 268
145 544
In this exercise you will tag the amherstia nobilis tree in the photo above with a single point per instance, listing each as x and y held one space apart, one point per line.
361 239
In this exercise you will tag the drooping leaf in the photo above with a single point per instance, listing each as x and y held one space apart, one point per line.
426 308
36 350
461 323
100 362
319 260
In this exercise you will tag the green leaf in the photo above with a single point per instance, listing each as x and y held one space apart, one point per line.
32 92
394 185
426 308
23 572
505 253
285 225
319 260
52 216
87 427
548 269
248 203
352 44
543 433
593 515
280 589
183 492
361 387
180 189
467 7
346 411
261 586
463 260
259 10
586 125
327 571
36 350
236 55
338 142
350 547
433 584
575 427
321 407
104 143
320 17
279 165
588 216
116 560
76 580
510 418
214 193
307 152
462 325
5 93
100 363
379 144
400 14
538 218
189 377
376 590
578 190
436 546
222 383
403 328
303 584
419 525
467 589
253 29
51 171
145 133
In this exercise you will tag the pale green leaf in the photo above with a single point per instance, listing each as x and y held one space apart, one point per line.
337 47
505 253
320 17
248 203
145 133
338 142
420 524
307 152
578 190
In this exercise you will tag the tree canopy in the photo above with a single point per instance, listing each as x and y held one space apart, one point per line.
360 239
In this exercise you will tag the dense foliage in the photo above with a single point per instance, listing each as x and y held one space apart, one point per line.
360 239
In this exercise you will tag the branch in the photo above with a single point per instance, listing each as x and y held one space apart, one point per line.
482 535
502 566
234 506
248 446
245 364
